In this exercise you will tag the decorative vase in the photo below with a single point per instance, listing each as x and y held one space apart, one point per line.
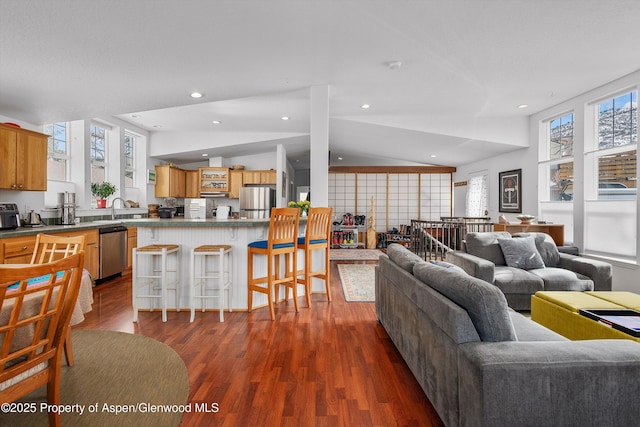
102 203
304 213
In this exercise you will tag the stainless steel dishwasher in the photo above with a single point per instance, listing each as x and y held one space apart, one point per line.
113 250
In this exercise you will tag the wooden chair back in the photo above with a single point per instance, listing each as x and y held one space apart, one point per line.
50 248
283 226
318 224
34 319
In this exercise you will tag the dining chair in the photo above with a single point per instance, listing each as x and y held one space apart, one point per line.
317 236
49 248
282 240
34 321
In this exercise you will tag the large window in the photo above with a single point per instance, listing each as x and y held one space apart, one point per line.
616 153
557 161
58 151
98 153
129 159
610 214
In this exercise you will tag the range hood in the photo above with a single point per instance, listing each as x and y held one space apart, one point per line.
214 194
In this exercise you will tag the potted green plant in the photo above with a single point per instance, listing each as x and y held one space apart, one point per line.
101 191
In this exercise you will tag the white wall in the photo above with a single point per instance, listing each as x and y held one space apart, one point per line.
525 159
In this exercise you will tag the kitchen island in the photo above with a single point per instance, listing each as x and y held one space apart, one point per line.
191 233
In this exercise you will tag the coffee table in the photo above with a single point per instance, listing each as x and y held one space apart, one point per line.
559 311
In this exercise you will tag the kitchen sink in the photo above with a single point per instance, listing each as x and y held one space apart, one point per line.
107 221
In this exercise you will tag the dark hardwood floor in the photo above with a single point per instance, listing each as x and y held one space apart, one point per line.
329 365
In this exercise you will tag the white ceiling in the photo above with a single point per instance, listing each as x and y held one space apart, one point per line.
466 66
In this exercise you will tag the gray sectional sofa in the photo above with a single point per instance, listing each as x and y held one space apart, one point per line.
524 263
482 364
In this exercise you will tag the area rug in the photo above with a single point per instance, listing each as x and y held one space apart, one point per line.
354 254
115 371
358 281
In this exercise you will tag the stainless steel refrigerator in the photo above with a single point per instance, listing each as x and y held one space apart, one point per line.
256 202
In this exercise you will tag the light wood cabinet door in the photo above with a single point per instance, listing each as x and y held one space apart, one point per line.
235 183
251 177
192 184
24 159
170 181
259 177
132 242
268 177
17 250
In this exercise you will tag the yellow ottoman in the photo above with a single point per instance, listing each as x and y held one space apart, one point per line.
623 298
559 311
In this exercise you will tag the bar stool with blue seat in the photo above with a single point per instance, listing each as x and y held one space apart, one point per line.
161 278
213 279
317 236
282 240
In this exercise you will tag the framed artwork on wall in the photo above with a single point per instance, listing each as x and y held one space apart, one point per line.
151 177
510 186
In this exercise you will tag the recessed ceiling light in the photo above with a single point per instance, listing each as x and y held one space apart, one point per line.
157 126
339 158
523 106
205 155
285 118
365 106
196 95
134 116
433 155
216 122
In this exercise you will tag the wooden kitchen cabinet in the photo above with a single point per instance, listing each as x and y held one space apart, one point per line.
235 183
24 159
268 177
132 242
192 183
18 250
170 181
259 177
214 180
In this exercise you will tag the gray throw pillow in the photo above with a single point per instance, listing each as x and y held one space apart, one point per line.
547 248
485 245
521 253
485 303
402 256
448 265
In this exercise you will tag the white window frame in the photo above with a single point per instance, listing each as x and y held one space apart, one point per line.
130 169
64 157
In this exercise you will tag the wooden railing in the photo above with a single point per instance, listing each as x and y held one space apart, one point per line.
432 239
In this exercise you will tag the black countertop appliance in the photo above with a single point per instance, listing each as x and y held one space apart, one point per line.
9 216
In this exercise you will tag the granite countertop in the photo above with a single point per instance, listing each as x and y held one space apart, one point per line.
187 222
28 231
140 222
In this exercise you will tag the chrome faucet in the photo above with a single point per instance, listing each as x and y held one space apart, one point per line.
125 204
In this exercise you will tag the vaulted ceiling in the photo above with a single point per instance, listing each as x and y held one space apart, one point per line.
442 78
